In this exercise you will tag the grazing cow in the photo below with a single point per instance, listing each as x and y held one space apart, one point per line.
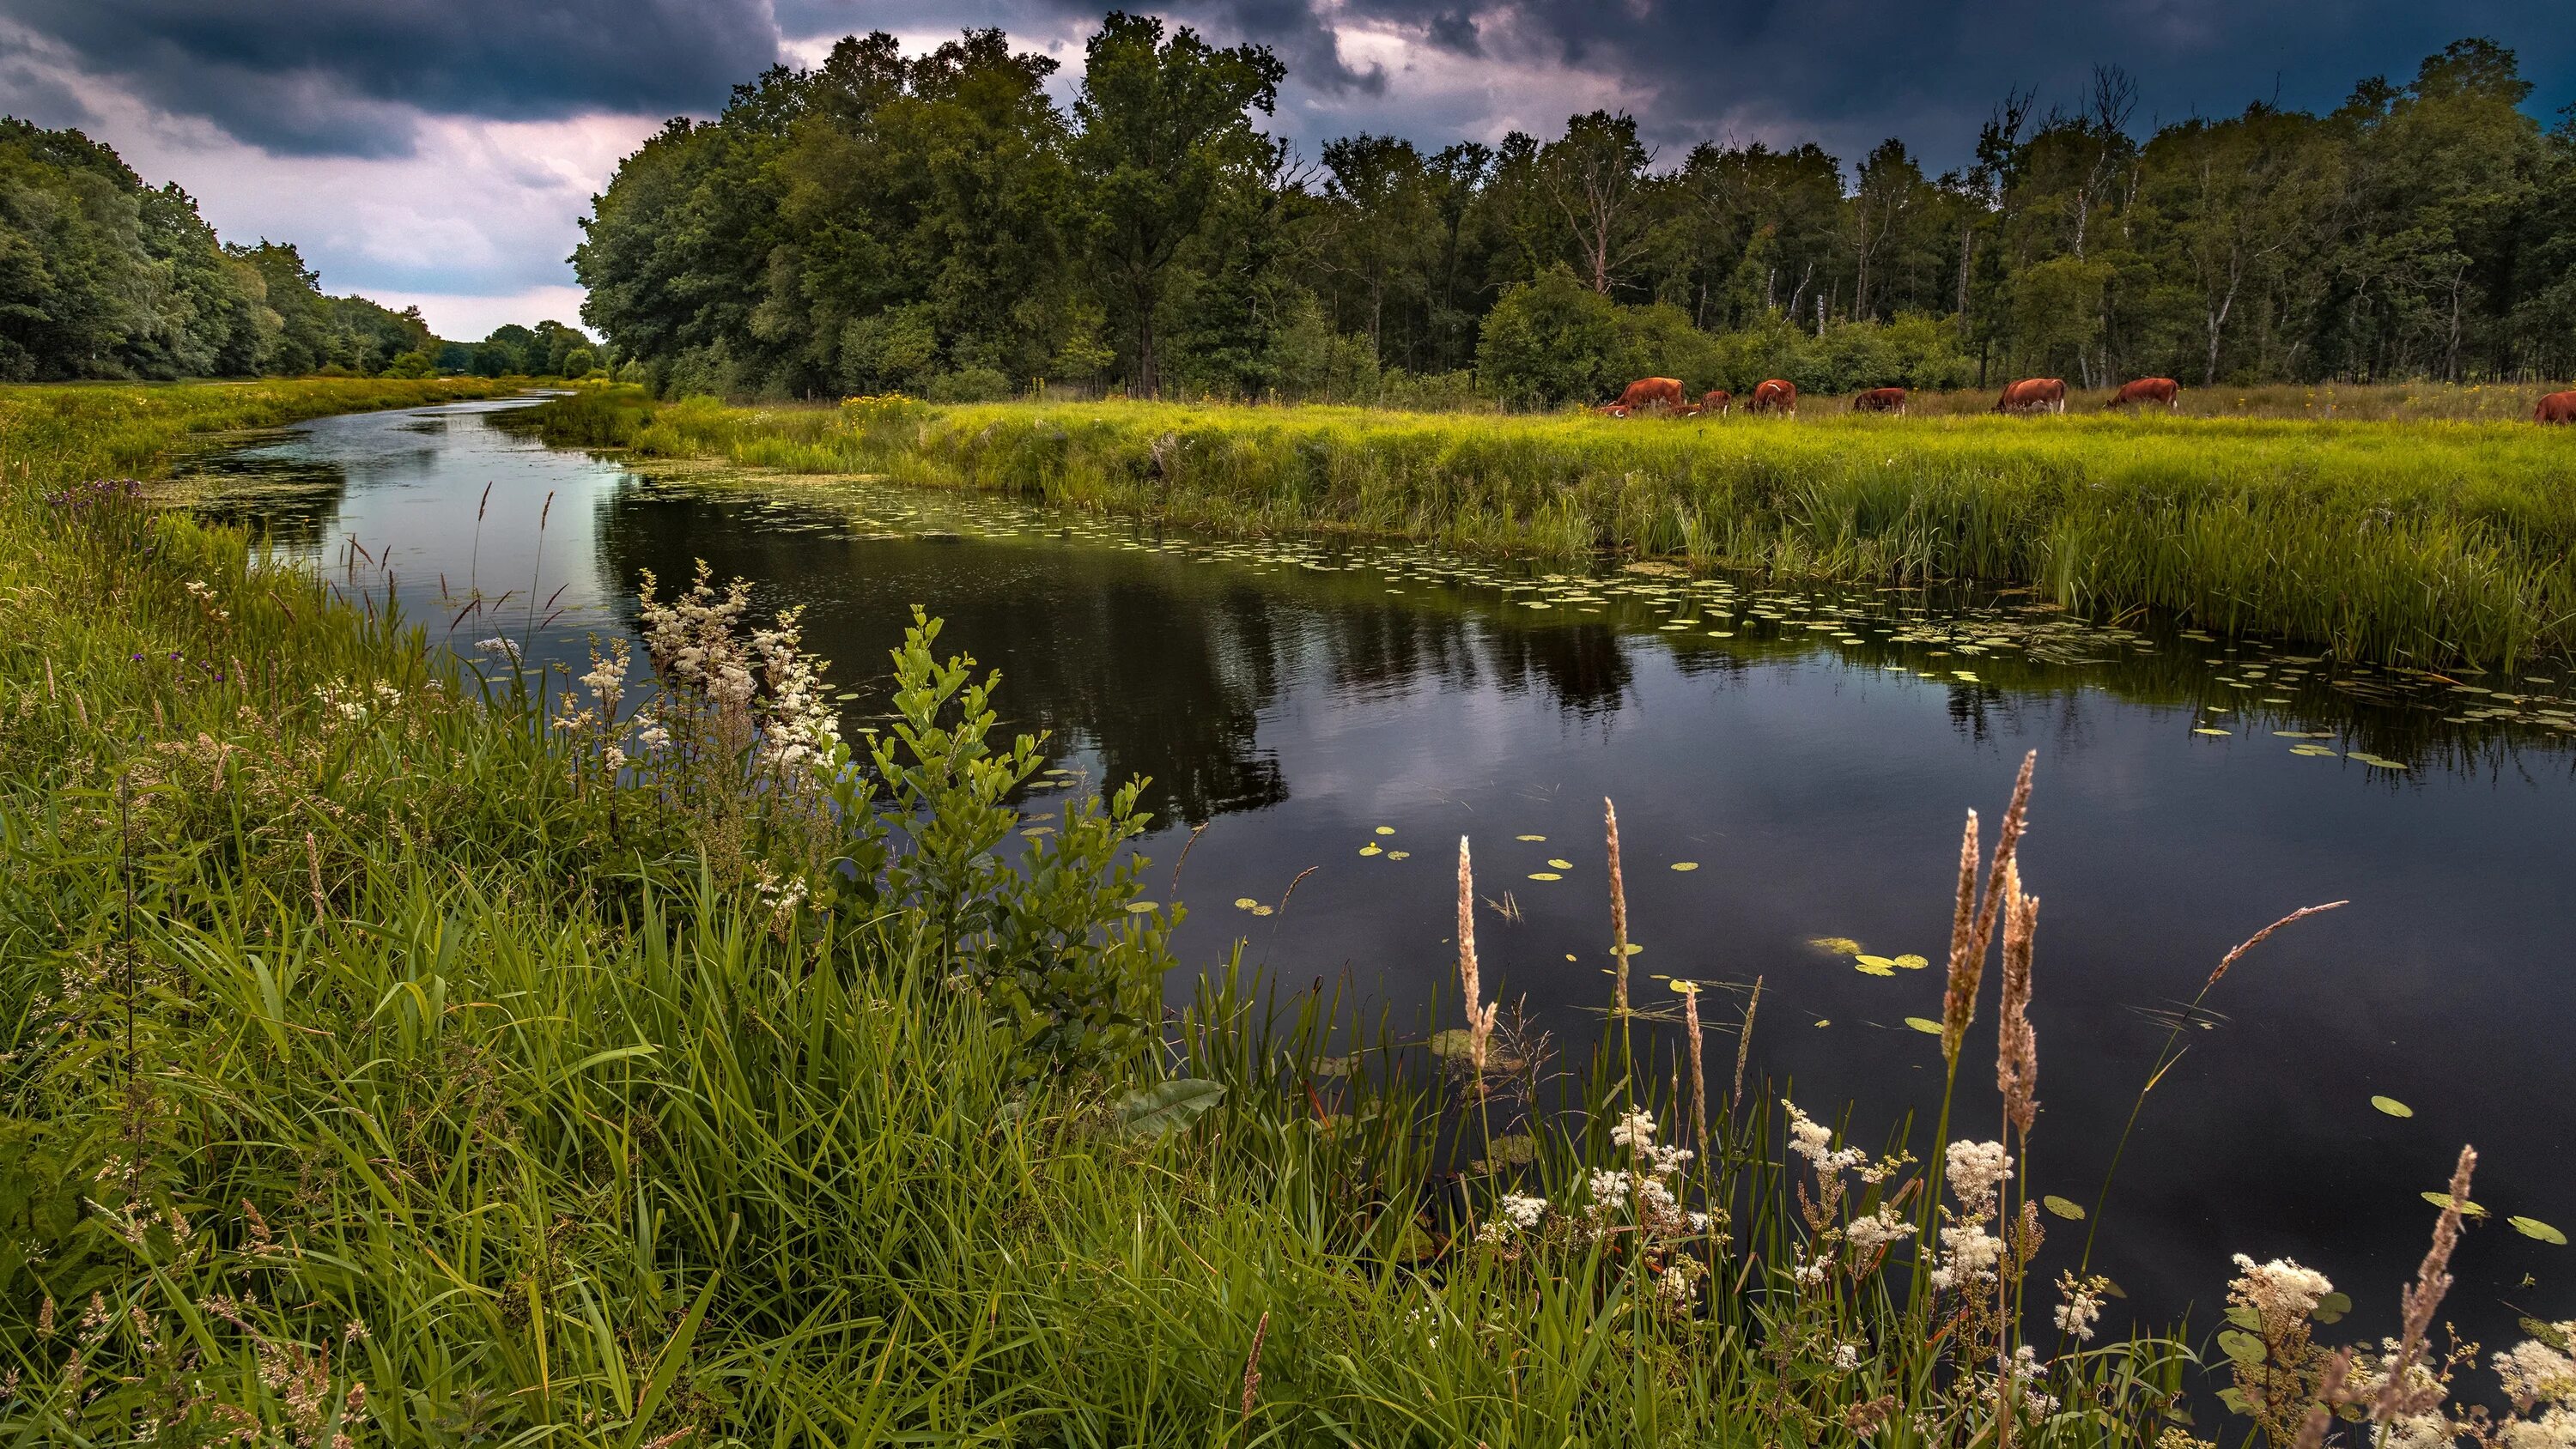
2033 395
1687 410
1716 400
2148 390
2558 407
1612 410
1647 392
1777 395
1880 400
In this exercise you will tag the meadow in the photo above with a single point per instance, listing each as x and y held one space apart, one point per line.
2417 527
405 1051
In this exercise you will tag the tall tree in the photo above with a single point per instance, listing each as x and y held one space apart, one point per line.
1165 131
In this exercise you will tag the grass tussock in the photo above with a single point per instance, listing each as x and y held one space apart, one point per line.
400 1055
2409 536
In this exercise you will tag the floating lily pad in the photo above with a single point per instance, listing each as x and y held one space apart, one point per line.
1685 865
1451 1043
1912 962
1824 1021
1631 949
1245 903
1686 988
1838 945
1371 850
2443 1199
1545 875
1924 1024
2205 730
1874 966
1883 962
1386 830
1529 837
2535 1228
2392 1106
1561 864
1264 910
2064 1209
1399 855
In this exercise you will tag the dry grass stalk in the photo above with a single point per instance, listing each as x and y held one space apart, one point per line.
1959 997
2330 1396
1618 912
2016 1045
1968 946
2257 939
1698 1078
2432 1281
1744 1046
1480 1018
1252 1370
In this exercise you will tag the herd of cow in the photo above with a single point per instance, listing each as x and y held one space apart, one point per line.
2029 395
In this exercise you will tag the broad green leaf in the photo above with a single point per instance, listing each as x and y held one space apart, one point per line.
2392 1106
2241 1346
1166 1107
2063 1208
1923 1024
2535 1228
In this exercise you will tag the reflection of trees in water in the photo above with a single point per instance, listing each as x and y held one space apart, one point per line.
1161 667
287 503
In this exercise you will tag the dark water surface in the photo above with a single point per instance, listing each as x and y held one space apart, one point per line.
1812 766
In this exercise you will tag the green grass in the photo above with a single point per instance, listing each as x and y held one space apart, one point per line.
377 1058
2417 542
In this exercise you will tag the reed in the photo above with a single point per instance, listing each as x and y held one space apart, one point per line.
2412 535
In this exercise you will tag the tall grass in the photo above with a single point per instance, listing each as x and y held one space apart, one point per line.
2420 541
388 1059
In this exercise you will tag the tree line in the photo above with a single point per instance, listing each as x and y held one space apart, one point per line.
103 276
939 225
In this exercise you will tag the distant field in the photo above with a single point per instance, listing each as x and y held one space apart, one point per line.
2432 531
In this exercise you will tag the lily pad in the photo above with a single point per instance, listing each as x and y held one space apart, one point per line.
2064 1209
1883 962
1386 830
1837 945
1545 875
1924 1024
1874 966
1142 908
2392 1106
2443 1199
1631 949
1371 850
1560 865
1685 865
1264 910
1912 962
2205 730
2535 1228
1399 855
1450 1043
1529 837
1245 903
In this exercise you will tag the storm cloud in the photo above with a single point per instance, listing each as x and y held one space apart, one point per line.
353 77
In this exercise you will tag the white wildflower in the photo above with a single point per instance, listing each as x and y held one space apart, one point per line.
1977 1170
1869 1234
1814 1141
1846 1356
2280 1292
2083 1305
1636 1130
1665 1161
2534 1372
2555 1429
1523 1212
1968 1255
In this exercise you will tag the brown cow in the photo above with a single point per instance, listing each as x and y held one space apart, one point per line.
1716 400
1775 395
1647 392
1880 400
2148 390
2558 407
2033 394
1611 410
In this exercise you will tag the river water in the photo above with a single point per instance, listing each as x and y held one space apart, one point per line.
1790 767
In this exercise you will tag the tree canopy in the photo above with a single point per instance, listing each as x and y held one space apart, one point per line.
939 224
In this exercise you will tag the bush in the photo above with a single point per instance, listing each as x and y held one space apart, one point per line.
1551 341
970 384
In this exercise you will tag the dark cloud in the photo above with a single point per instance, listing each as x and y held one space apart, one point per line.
1844 72
351 77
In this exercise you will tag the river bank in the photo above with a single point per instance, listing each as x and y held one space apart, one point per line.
2413 542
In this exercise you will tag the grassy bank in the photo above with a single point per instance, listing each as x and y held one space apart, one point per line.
389 1055
2415 542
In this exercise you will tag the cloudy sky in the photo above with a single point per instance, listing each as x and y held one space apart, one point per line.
441 151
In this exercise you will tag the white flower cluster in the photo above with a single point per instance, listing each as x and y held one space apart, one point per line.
2280 1292
1635 1131
2083 1305
1814 1141
1520 1214
1846 1356
2540 1375
1968 1255
1881 1229
1977 1170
